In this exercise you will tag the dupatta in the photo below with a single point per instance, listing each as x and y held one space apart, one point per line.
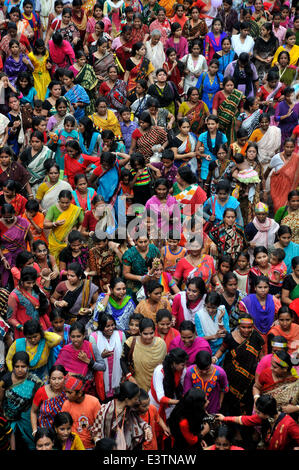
283 181
268 145
58 234
109 184
139 72
21 346
263 318
114 344
29 302
36 166
51 196
68 357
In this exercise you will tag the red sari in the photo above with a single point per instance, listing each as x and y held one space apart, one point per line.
172 333
73 166
175 76
283 181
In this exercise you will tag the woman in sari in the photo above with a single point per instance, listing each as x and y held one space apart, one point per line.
101 60
14 233
195 27
284 241
12 170
114 9
227 104
147 351
85 77
138 67
81 357
60 219
279 381
228 237
38 344
105 118
174 69
17 62
164 329
161 24
290 287
187 192
76 296
147 135
10 195
75 94
215 206
219 170
242 347
195 64
79 17
287 73
109 342
289 46
264 50
164 91
188 340
27 302
89 138
34 157
77 162
195 110
48 191
61 52
64 25
288 214
17 391
122 48
56 122
185 146
268 140
114 302
48 400
270 93
287 114
226 55
212 42
249 118
114 89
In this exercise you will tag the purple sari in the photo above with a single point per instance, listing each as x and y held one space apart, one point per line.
199 344
13 242
181 47
263 318
12 68
286 125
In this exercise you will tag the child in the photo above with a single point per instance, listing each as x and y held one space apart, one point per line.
68 133
242 271
65 439
141 182
59 326
278 30
134 321
24 85
172 253
128 194
23 259
278 271
166 168
246 176
128 20
33 20
37 108
36 220
209 142
149 414
127 127
225 264
241 143
285 18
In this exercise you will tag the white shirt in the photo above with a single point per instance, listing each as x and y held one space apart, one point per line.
246 46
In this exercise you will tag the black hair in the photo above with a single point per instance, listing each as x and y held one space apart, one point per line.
187 174
77 326
187 325
203 359
151 285
22 356
175 356
295 262
284 229
106 444
89 129
225 259
279 253
136 316
32 327
103 320
168 154
59 368
43 432
163 313
65 193
78 177
286 309
127 390
277 339
228 277
22 258
213 298
146 323
27 76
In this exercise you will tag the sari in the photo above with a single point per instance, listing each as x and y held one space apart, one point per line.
49 408
41 74
116 96
263 318
196 116
186 146
176 75
75 95
206 325
73 166
251 122
268 145
103 263
13 68
292 221
229 241
227 114
191 31
211 45
120 312
156 135
110 123
13 242
87 79
139 72
79 298
100 66
199 344
17 405
68 358
48 196
283 181
284 391
63 56
193 196
80 22
58 235
36 166
109 183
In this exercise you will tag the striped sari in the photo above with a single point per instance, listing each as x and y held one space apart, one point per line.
227 114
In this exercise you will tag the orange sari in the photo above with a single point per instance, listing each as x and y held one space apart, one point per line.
283 181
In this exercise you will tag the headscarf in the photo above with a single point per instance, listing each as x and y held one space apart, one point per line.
73 383
261 208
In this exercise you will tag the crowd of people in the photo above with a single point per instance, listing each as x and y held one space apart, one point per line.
149 225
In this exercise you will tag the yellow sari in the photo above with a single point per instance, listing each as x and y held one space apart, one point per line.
110 123
57 237
294 55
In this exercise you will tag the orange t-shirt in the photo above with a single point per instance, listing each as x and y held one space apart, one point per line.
152 418
84 415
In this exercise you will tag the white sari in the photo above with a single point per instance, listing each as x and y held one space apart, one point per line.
183 149
269 145
51 196
193 68
189 313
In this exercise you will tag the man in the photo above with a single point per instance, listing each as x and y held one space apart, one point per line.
82 407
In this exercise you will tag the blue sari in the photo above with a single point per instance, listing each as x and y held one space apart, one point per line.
41 372
209 89
91 150
75 95
291 251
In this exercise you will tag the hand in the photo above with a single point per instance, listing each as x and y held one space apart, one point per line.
59 222
166 431
219 416
213 250
25 61
54 275
48 66
220 334
84 311
112 245
82 356
107 289
6 264
106 353
214 360
288 409
16 124
91 234
60 303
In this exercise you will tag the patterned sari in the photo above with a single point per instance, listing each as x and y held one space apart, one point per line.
229 241
156 135
227 114
13 242
86 77
196 117
48 409
139 72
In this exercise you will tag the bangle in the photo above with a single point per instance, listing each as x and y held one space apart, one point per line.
3 257
128 375
55 302
19 326
256 396
54 224
34 432
30 195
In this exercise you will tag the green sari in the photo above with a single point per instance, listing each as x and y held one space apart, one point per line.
86 77
228 113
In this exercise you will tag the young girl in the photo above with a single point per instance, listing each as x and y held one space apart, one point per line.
212 43
172 253
225 264
65 439
141 183
278 271
89 137
242 272
47 265
24 85
40 60
241 143
97 15
23 259
246 177
128 193
59 326
92 217
61 138
134 321
261 266
82 195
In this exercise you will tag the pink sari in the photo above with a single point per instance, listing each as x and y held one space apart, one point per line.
68 357
63 56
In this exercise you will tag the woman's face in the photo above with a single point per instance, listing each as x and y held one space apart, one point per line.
62 109
34 339
162 77
147 335
155 39
229 87
258 5
178 367
264 124
132 402
242 262
68 82
194 96
53 175
294 203
224 267
261 217
15 49
188 337
5 159
56 380
222 195
285 239
44 443
56 91
20 369
9 195
161 16
36 143
139 89
262 289
212 125
221 155
289 148
109 328
193 293
137 23
185 128
119 290
82 185
277 370
245 330
58 324
156 295
23 82
76 247
63 432
14 103
285 321
142 244
77 338
226 45
161 191
28 285
164 325
112 74
98 13
64 203
82 61
102 109
231 286
211 309
66 18
180 12
72 277
291 41
178 33
221 443
217 27
229 218
262 259
195 14
41 127
251 154
213 69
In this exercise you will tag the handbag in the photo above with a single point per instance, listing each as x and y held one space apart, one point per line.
208 225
